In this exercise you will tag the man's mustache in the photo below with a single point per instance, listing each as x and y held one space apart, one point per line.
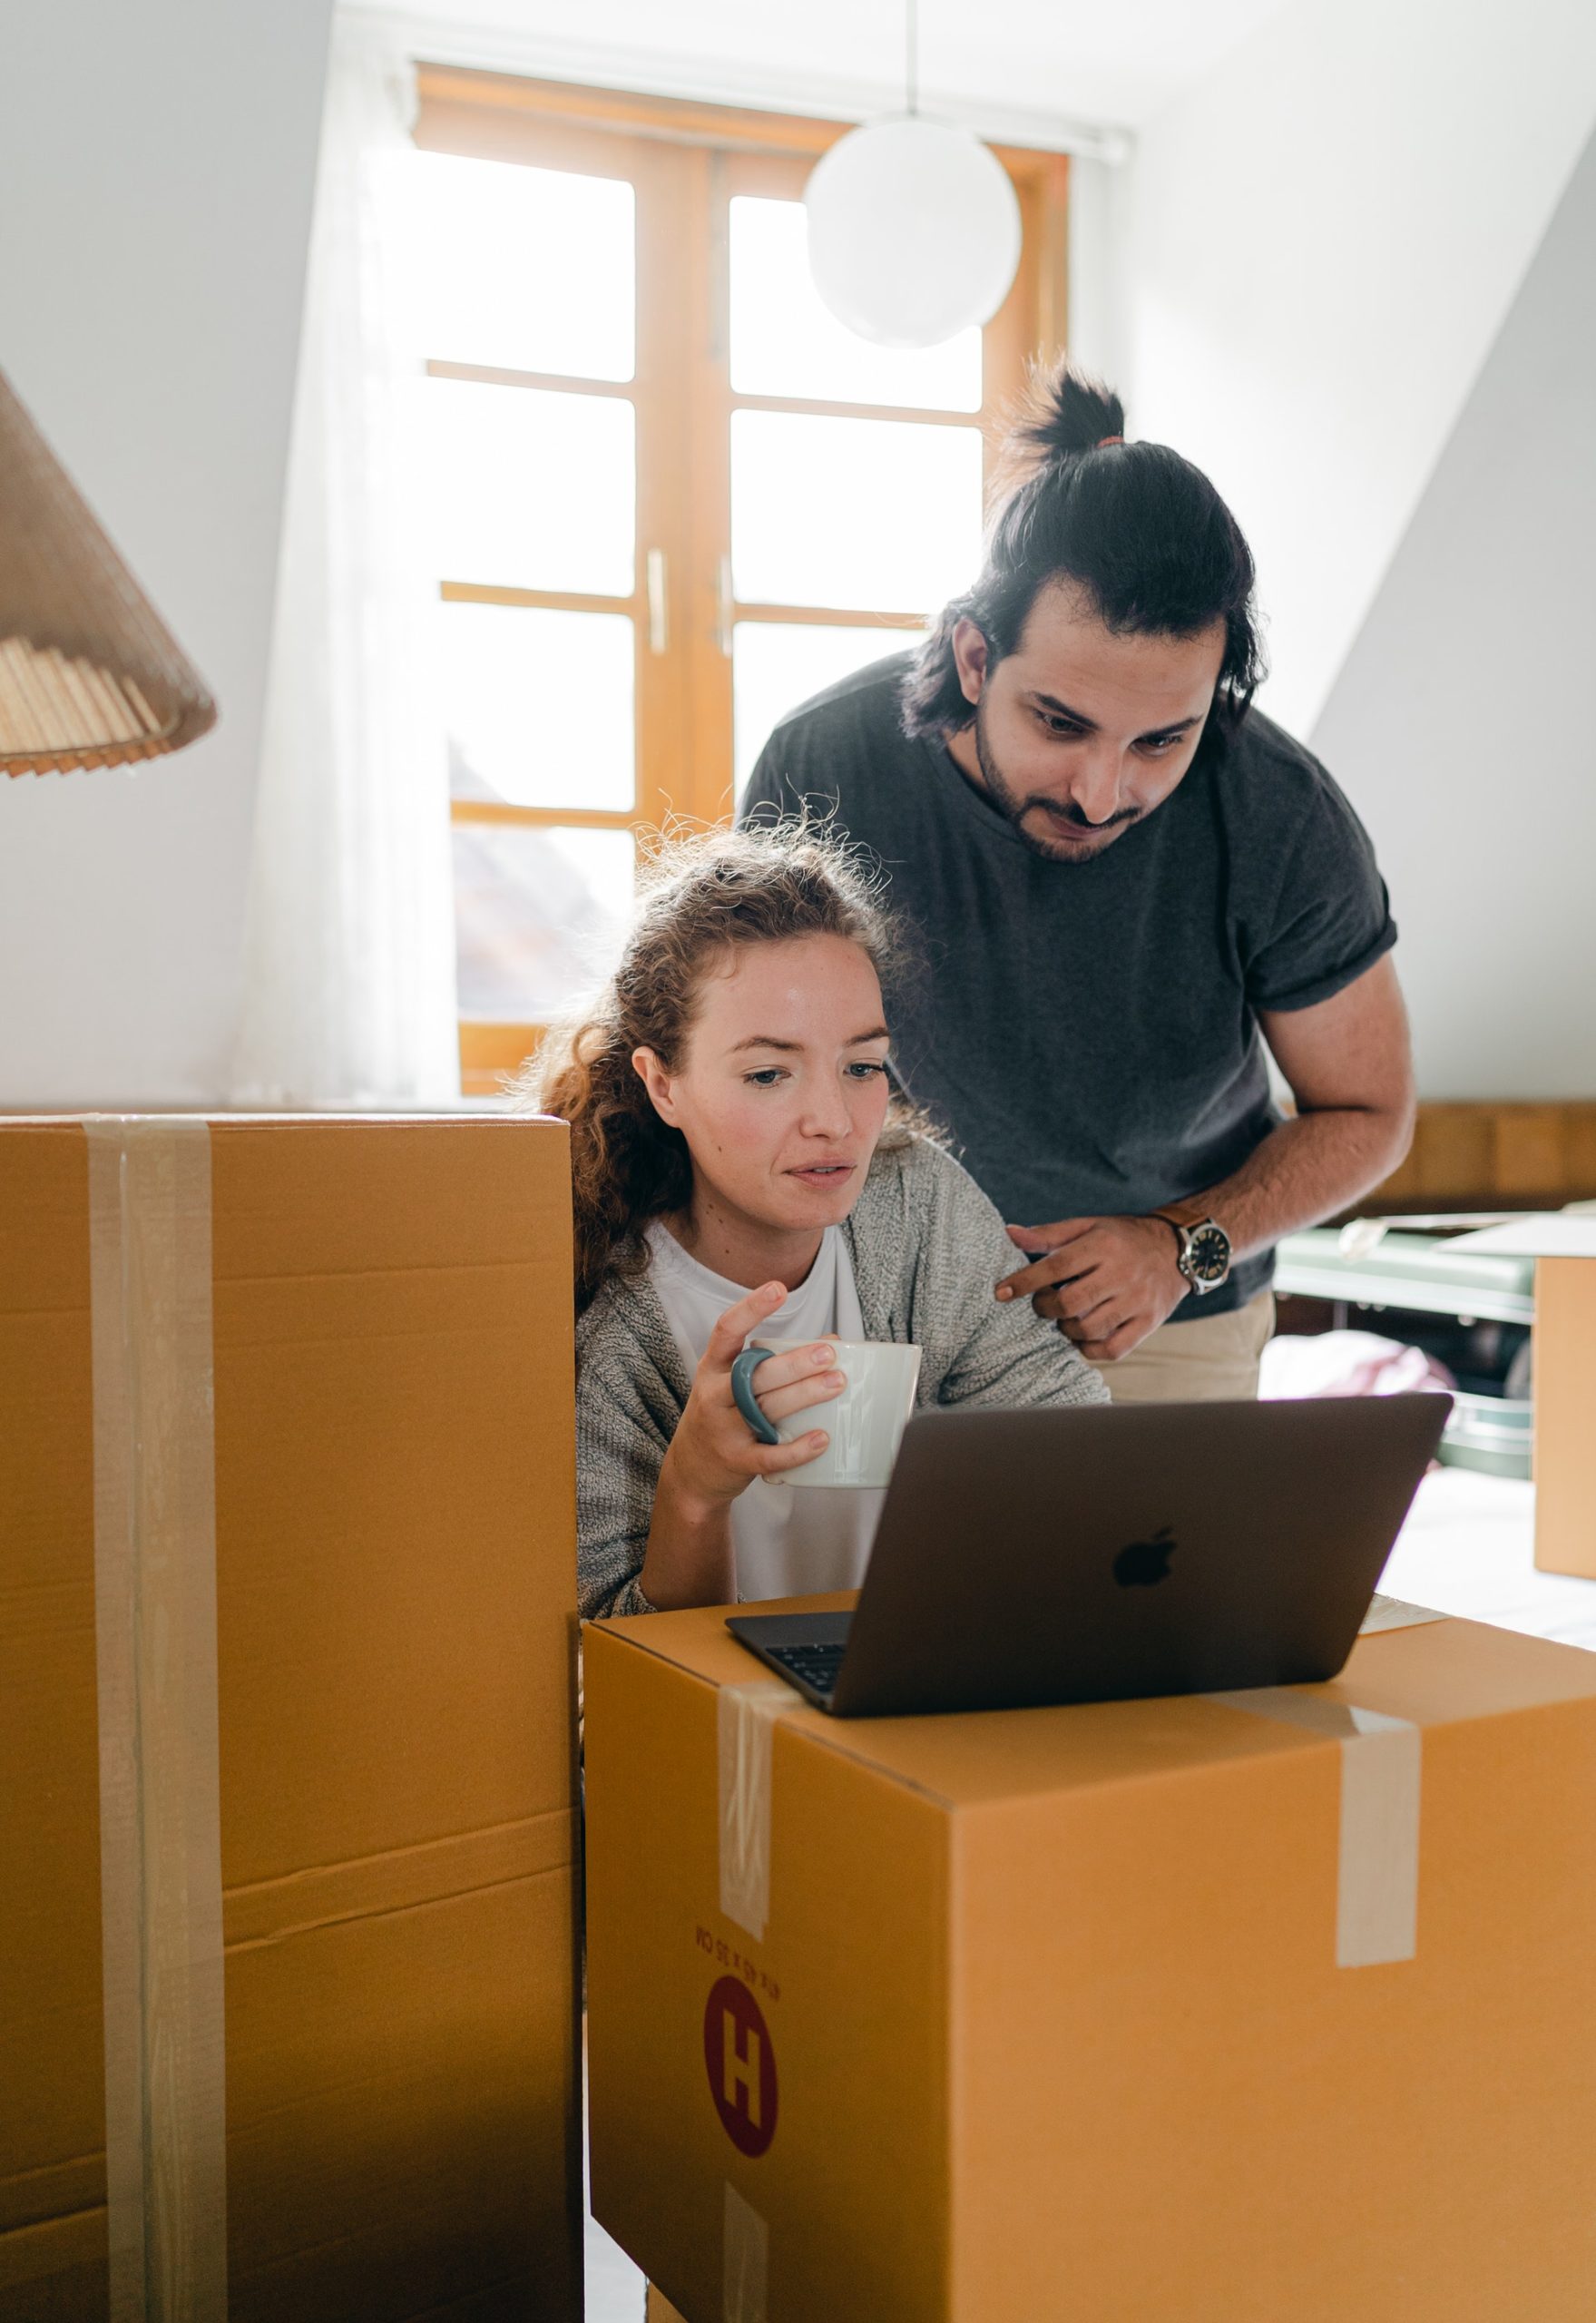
1071 814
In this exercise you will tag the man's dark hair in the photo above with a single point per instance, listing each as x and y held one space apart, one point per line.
1139 530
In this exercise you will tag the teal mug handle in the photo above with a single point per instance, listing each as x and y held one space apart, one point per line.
743 1389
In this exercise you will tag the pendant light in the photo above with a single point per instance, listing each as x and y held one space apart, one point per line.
89 673
912 224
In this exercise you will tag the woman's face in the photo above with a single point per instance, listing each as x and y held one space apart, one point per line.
782 1091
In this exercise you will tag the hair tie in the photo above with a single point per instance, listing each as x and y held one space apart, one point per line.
1107 440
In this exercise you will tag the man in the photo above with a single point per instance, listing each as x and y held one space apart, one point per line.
1127 882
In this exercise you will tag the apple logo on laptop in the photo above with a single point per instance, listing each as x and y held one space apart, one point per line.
1141 1563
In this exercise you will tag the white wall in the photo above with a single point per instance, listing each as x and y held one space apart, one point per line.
157 160
1023 67
1323 234
1462 722
1100 288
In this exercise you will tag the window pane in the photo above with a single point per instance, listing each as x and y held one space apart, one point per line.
528 270
539 706
530 490
786 342
876 515
539 917
777 665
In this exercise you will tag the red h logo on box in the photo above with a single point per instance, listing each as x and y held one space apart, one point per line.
742 2066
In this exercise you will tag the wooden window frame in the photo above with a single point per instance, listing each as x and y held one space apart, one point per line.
687 163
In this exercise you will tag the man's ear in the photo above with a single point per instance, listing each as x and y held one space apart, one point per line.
657 1082
970 658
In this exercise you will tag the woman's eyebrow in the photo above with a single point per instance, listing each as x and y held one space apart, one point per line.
795 1048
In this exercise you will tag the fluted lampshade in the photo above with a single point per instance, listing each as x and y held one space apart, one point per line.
89 673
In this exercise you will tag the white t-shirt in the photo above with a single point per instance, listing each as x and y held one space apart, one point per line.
787 1543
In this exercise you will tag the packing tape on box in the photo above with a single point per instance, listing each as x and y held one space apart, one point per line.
1377 1868
745 2260
155 1631
747 1715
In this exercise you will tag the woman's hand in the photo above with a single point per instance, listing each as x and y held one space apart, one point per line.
714 1456
715 1453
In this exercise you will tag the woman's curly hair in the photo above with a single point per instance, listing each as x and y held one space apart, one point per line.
701 896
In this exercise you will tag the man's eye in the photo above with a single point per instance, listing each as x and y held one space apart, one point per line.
1064 728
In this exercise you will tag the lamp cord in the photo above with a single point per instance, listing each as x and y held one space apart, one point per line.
912 54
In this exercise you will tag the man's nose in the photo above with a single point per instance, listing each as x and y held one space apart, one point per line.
1095 789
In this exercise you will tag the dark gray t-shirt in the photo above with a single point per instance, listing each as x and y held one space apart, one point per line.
1088 1033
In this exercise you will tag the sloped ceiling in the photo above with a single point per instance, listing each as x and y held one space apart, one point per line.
1323 234
1462 722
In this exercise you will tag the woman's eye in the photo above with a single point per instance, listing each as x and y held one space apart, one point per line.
1158 744
766 1077
863 1070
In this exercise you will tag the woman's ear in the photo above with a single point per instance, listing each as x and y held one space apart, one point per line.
657 1082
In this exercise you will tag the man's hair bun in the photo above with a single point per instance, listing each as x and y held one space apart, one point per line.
1064 411
1136 528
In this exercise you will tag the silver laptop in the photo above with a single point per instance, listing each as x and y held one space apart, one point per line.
1090 1556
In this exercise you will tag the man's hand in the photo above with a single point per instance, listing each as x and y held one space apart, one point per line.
1107 1282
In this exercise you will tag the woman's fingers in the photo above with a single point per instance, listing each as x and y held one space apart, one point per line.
725 1341
787 1370
771 1459
820 1388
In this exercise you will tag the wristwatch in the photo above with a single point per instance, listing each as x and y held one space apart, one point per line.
1204 1255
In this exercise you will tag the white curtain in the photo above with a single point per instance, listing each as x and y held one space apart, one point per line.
349 958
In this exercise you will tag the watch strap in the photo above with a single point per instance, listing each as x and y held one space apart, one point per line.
1195 1212
1183 1219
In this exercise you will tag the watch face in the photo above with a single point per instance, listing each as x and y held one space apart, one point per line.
1207 1254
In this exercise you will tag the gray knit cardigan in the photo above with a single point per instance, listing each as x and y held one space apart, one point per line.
928 1247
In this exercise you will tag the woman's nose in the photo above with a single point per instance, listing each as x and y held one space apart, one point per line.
829 1116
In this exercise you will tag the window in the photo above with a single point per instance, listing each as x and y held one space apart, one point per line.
668 496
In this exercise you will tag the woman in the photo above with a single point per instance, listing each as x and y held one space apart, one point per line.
741 1164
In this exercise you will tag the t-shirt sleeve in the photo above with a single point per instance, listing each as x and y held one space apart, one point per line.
1331 916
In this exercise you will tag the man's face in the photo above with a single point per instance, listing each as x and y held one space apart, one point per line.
1081 733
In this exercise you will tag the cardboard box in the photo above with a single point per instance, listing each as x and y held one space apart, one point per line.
1565 1414
286 1609
1186 2010
1562 1244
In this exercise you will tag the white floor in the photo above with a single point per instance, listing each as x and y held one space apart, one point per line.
1467 1548
615 2291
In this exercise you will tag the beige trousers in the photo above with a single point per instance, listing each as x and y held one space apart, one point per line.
1211 1361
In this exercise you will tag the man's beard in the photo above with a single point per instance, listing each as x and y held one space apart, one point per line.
1013 808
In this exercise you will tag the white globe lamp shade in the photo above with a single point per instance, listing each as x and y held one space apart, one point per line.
913 231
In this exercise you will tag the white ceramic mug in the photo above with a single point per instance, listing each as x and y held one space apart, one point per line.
865 1422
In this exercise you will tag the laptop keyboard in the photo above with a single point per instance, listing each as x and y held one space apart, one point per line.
815 1665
